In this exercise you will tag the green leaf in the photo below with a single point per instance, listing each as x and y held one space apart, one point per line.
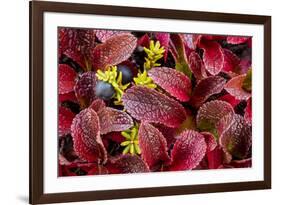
207 126
179 54
247 83
183 67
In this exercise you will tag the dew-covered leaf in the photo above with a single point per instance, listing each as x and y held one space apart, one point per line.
210 141
77 57
103 35
65 120
231 61
97 105
235 135
174 82
151 106
153 146
77 44
85 88
85 130
67 38
210 113
205 88
115 50
188 151
236 39
113 120
66 79
164 39
197 66
234 87
127 164
191 40
213 57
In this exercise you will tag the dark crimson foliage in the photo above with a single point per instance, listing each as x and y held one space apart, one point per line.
182 103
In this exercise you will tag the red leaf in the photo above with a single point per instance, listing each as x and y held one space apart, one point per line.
97 105
67 97
231 61
210 141
164 39
215 158
153 146
230 99
188 151
114 136
205 88
85 130
236 39
66 79
66 36
96 169
77 44
235 135
127 164
213 37
77 57
115 50
64 171
65 120
151 106
191 40
197 66
245 65
174 82
63 160
144 41
210 113
85 88
234 87
178 51
248 111
103 35
213 56
168 133
112 120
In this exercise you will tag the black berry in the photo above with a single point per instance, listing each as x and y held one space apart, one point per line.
104 90
127 74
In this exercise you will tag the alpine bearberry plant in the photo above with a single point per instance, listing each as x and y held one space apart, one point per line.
132 102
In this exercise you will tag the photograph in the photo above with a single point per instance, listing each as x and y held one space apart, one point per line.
143 101
129 102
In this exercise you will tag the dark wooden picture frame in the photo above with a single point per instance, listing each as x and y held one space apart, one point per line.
37 10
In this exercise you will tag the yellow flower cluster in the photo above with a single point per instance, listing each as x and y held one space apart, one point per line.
154 53
115 79
144 80
131 142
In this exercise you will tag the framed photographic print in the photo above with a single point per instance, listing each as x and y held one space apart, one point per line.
135 102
